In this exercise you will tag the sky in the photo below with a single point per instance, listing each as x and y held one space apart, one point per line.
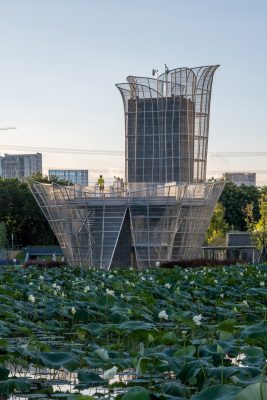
60 61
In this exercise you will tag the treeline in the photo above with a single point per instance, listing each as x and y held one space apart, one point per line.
23 218
231 212
21 215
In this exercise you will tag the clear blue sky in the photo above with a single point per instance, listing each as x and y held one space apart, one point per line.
60 60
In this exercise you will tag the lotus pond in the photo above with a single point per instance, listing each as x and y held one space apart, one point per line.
169 334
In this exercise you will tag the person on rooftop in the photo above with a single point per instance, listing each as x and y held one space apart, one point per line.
101 184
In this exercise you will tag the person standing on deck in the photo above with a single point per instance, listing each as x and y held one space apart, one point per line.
101 184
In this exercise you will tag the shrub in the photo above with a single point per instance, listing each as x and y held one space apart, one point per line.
201 262
44 264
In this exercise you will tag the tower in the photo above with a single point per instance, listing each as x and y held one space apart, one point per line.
165 209
167 126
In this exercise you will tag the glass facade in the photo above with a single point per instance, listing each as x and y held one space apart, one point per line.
76 176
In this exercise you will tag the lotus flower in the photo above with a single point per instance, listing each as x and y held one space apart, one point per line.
31 298
197 319
163 315
73 310
110 373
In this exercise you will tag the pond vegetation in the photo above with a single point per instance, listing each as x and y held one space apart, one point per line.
134 335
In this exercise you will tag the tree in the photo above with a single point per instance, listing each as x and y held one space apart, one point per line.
258 229
3 235
218 227
22 215
52 179
235 199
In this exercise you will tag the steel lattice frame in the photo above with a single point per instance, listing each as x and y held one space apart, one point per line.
167 125
165 211
159 223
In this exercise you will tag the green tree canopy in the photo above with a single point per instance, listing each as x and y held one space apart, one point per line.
235 199
218 227
258 229
22 215
45 179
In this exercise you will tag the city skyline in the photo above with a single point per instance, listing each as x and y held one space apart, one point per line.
61 60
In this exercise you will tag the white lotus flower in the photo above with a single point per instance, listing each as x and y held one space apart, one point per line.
143 278
111 292
31 298
31 283
102 353
163 315
73 310
215 281
41 277
86 289
245 302
262 283
222 295
167 286
197 319
110 373
110 276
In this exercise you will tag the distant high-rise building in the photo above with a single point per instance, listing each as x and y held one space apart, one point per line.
76 176
241 178
20 166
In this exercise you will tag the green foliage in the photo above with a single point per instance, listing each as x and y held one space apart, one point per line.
255 391
234 200
258 230
52 179
184 333
220 392
137 393
11 385
22 216
3 235
218 227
